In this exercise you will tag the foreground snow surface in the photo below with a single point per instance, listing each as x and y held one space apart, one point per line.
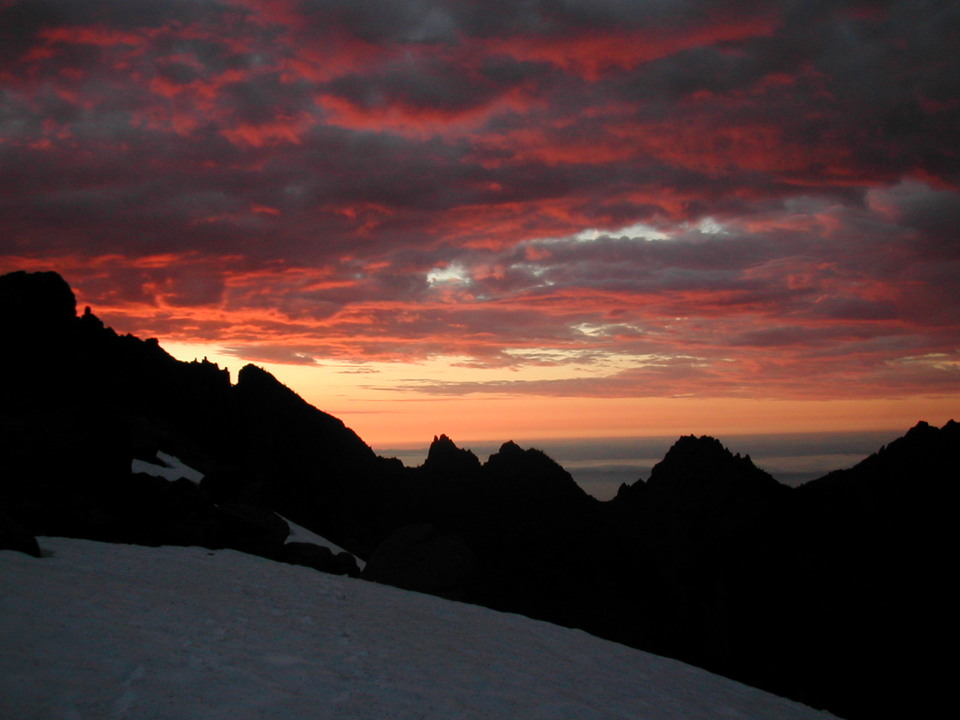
106 631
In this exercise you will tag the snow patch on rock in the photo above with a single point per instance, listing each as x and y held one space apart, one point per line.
171 469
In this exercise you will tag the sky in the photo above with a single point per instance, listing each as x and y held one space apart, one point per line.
496 220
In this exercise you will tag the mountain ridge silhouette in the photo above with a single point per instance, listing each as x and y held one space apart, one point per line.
808 592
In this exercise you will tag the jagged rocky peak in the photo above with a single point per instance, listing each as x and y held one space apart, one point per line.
90 320
210 369
510 448
531 471
295 426
253 382
922 439
511 455
36 300
260 388
921 430
924 432
699 472
924 454
690 459
445 457
696 455
252 375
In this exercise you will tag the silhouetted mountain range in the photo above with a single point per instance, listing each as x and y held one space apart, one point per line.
826 593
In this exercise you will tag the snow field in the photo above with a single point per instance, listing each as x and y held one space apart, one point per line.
106 632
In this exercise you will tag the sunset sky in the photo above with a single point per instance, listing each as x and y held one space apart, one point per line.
508 219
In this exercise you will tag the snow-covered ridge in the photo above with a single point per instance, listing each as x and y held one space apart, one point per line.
122 631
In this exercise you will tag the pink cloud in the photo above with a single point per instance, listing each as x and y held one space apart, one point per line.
591 53
292 178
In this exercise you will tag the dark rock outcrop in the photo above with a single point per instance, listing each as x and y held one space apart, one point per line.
421 558
531 478
252 529
13 536
320 558
71 432
446 460
36 305
700 475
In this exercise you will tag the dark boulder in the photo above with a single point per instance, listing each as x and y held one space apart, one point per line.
13 536
320 558
252 529
424 559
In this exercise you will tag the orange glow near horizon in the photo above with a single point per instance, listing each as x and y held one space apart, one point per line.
554 220
526 419
385 418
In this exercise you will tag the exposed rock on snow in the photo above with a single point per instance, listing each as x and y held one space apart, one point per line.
300 534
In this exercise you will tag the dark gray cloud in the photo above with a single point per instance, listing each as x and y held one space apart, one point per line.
409 179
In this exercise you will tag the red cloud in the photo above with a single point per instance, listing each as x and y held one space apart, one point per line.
291 180
592 53
97 35
418 122
280 130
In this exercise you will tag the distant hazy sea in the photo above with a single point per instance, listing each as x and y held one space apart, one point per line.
600 465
